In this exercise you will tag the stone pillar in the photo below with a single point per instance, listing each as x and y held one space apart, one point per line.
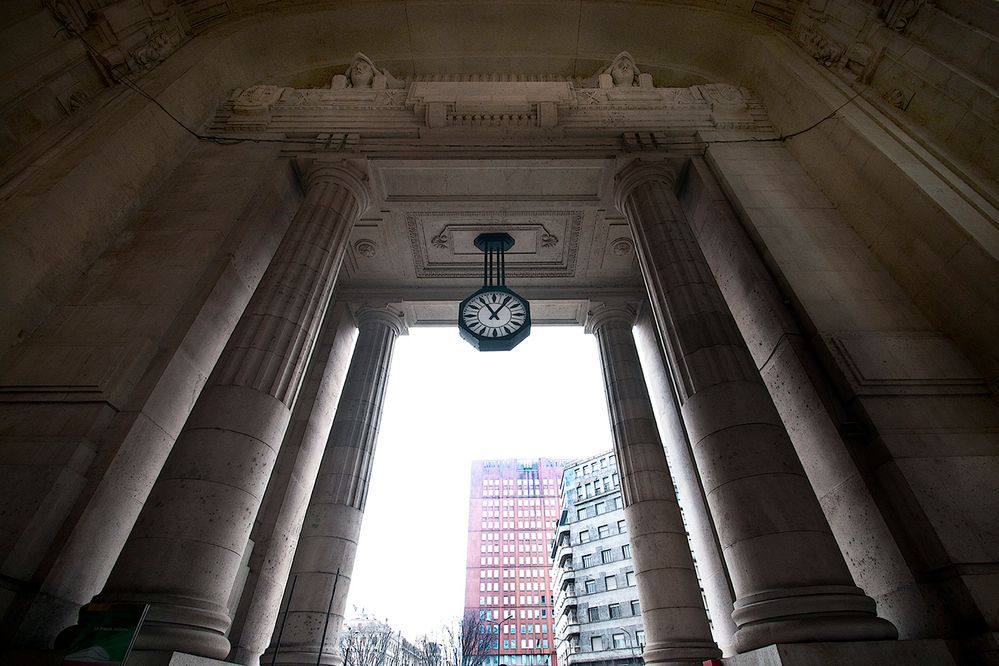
328 541
790 580
279 521
185 550
676 625
701 532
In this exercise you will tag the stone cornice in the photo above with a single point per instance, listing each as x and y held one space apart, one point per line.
342 119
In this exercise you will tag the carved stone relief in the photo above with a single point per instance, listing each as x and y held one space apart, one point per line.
131 35
849 48
622 72
618 95
442 242
364 74
898 14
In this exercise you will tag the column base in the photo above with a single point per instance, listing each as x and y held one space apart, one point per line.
177 628
930 652
674 655
295 658
808 615
167 658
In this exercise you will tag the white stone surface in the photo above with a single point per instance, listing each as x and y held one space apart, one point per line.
709 563
871 653
795 384
319 580
676 626
279 521
184 553
782 558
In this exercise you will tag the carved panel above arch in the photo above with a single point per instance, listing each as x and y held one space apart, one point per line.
546 242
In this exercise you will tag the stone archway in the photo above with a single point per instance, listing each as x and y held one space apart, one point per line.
143 370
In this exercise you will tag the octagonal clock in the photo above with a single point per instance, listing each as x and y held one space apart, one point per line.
494 318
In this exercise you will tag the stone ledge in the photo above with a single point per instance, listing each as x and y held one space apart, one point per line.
870 653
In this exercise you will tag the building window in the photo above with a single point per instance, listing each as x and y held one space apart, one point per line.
640 637
597 644
584 536
636 608
631 578
626 551
618 640
610 582
581 514
592 614
621 527
606 556
587 560
614 610
599 508
591 586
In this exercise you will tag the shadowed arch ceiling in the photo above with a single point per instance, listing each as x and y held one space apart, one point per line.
302 44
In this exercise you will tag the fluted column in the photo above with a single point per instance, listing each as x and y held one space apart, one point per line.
328 541
676 625
184 552
279 521
790 580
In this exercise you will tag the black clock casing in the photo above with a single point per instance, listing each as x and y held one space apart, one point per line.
494 318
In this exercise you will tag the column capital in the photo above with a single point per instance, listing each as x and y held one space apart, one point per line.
387 316
601 314
348 175
642 171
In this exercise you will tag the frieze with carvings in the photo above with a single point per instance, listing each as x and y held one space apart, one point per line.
847 47
546 242
367 97
903 49
436 105
131 35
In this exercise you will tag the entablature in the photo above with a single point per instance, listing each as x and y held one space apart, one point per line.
508 112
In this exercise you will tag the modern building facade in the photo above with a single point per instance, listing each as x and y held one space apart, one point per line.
511 506
780 215
598 613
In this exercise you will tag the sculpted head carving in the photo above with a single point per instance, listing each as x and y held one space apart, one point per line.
622 72
361 72
364 74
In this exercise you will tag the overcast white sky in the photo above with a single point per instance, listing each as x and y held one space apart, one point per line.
447 405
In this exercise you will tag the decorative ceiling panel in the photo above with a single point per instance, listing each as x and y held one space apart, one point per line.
471 180
545 242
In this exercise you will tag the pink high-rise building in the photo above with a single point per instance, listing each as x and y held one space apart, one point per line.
512 507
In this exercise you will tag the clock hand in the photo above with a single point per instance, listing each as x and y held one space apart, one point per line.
493 314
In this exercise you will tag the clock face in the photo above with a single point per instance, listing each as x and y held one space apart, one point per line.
494 319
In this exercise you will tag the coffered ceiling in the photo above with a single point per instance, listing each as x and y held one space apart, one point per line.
418 237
